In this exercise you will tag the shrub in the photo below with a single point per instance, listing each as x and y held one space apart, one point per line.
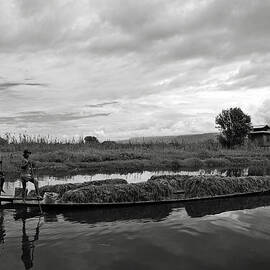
192 162
216 162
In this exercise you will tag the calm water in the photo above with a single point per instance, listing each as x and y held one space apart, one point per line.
224 234
10 186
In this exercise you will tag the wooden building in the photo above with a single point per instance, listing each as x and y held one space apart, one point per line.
260 135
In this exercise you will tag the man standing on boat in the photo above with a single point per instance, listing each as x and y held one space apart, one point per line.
2 178
27 173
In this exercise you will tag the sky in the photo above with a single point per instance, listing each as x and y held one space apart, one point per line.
117 69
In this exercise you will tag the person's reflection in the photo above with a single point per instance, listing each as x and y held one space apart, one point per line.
2 228
28 246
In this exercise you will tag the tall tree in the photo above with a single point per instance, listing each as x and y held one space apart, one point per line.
234 126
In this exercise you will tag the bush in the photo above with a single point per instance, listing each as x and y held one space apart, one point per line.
216 162
239 160
192 163
204 154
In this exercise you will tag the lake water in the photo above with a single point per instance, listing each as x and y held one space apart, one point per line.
224 234
10 186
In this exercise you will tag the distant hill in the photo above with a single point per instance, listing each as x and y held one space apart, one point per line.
192 138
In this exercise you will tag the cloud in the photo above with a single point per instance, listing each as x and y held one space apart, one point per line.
168 29
100 105
264 112
43 117
159 67
7 85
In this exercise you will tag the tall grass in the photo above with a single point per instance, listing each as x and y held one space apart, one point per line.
55 153
60 189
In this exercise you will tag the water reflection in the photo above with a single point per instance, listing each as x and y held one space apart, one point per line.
28 244
160 212
217 206
2 228
139 213
61 224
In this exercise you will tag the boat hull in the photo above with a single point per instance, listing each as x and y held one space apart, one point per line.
18 202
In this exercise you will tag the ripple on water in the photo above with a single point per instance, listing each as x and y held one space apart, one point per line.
155 238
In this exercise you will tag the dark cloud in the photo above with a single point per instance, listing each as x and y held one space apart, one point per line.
172 30
100 105
7 85
43 117
169 29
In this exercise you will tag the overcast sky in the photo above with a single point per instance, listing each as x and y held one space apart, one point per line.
123 68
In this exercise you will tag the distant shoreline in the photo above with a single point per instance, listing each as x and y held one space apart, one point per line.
115 158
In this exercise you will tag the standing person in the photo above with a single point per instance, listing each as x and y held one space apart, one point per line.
27 173
2 181
2 178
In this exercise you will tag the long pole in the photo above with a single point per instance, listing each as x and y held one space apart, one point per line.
37 192
38 196
2 179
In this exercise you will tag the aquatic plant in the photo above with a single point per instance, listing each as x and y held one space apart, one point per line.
164 187
143 191
66 155
205 186
177 182
218 162
62 188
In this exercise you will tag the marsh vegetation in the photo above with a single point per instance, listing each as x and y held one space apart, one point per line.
75 155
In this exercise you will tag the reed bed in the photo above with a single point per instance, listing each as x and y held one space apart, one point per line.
62 188
64 155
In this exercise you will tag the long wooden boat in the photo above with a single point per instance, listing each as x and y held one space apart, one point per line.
18 202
